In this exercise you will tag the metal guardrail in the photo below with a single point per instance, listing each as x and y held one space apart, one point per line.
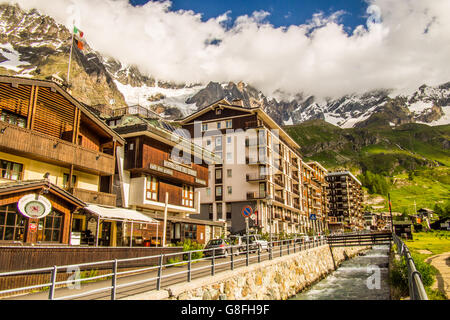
276 248
415 284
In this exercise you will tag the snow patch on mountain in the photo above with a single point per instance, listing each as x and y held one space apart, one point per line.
149 97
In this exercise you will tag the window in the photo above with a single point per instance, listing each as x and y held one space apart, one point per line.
229 124
12 224
229 140
50 227
219 174
229 157
219 125
204 127
210 211
219 211
152 188
218 143
208 192
208 142
230 173
218 111
11 170
13 119
188 196
218 191
230 190
190 231
66 178
229 211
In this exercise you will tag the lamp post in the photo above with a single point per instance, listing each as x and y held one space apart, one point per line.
269 200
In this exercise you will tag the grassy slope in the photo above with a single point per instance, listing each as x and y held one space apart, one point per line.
387 151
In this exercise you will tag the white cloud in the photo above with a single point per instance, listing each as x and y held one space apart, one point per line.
404 44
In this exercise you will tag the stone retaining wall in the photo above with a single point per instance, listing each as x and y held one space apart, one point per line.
278 279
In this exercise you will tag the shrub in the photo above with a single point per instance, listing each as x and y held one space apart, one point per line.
189 245
398 276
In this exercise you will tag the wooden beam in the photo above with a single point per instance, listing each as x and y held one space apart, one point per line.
30 107
36 93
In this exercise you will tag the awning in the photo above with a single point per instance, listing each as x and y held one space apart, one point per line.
121 214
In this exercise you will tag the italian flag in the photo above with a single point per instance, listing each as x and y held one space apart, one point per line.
78 32
78 35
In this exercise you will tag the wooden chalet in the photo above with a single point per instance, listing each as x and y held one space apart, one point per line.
50 141
160 182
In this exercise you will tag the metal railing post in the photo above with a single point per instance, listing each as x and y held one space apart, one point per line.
295 242
213 270
247 260
259 254
271 251
281 248
51 293
158 281
114 280
190 267
289 242
232 258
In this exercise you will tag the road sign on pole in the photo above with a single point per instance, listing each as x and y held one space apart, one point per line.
247 212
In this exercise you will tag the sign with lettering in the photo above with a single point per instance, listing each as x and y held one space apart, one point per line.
180 168
313 217
161 169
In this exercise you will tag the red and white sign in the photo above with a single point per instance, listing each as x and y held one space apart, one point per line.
33 227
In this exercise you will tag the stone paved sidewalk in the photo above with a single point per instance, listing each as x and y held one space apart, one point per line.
442 263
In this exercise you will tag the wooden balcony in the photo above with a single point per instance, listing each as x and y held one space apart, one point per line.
106 199
42 147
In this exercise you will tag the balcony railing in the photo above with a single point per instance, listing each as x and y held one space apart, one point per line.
39 146
256 177
256 195
93 197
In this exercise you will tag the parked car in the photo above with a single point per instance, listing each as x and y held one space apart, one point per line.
302 238
218 247
255 243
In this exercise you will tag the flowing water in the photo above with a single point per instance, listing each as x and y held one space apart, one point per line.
361 278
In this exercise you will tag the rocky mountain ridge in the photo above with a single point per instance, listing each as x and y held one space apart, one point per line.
34 45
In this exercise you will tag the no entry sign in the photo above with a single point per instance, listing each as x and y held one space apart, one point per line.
247 212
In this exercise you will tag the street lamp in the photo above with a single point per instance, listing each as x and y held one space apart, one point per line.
269 200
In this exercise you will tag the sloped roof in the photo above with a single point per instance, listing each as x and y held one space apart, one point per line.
57 88
21 186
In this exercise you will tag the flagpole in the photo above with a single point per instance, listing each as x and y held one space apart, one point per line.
70 57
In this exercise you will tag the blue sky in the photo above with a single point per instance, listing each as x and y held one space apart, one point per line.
282 12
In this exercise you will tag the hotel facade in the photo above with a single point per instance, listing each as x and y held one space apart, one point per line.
345 198
261 168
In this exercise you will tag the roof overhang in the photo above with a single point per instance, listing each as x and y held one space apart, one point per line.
43 185
119 214
57 88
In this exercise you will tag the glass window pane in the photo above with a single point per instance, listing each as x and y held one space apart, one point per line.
57 223
1 233
11 219
48 222
55 236
9 233
48 235
2 218
19 236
